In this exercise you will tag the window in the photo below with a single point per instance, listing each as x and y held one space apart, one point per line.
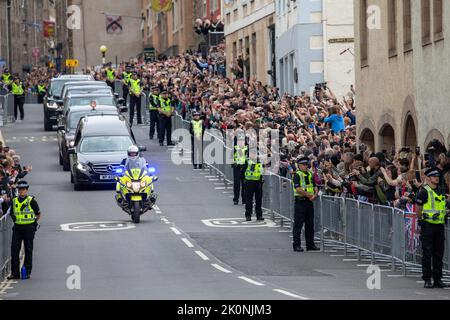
426 22
228 19
438 19
407 30
363 32
244 10
392 27
254 54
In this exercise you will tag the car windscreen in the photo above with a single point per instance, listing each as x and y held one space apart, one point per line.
100 144
56 87
86 101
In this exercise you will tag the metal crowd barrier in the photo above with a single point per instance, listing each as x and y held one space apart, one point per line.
6 225
7 109
379 234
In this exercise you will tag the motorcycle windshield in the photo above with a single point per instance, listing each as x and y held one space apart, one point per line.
135 167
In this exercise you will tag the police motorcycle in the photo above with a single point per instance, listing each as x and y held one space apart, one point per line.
135 188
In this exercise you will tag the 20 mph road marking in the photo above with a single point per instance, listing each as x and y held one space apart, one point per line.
290 294
220 268
175 230
251 281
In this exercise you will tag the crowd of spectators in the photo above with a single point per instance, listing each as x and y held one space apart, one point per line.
320 126
11 172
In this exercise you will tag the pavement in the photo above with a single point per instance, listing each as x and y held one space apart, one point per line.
180 251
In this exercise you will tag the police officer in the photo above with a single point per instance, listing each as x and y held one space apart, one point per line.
305 193
431 212
25 213
6 77
197 129
239 160
154 105
165 118
126 76
18 91
253 187
135 98
110 77
41 89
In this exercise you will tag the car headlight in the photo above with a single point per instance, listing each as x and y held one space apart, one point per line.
143 184
82 167
136 186
70 143
52 105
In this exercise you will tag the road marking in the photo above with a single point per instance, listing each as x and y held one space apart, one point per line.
210 176
349 260
251 281
216 179
202 255
165 220
420 281
220 188
337 255
394 275
175 230
215 265
187 242
290 294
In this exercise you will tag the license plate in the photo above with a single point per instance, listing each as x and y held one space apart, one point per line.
107 177
136 198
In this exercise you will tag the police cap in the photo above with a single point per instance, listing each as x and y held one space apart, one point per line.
303 160
433 172
23 185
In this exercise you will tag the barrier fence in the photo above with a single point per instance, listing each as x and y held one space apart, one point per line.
7 106
6 225
379 234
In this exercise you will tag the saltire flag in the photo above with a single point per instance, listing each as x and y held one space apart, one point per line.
161 5
114 24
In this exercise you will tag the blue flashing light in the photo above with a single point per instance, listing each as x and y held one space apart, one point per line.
119 170
151 169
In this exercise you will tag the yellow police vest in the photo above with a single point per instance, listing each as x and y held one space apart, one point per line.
6 78
127 77
197 127
41 88
23 212
135 86
155 102
253 172
165 105
434 210
110 75
239 154
17 90
309 188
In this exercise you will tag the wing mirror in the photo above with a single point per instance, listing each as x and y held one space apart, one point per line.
142 148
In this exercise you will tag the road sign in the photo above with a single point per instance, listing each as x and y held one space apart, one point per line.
36 52
71 63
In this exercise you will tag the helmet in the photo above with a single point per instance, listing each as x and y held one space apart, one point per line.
22 185
133 152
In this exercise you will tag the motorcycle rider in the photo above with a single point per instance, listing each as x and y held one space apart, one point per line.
134 160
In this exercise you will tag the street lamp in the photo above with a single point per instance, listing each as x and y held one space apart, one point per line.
103 50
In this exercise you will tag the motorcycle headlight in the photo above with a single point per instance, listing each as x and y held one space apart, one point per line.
143 184
129 184
136 186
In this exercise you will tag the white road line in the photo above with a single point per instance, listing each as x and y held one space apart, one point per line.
175 230
215 265
337 255
420 281
251 281
394 275
290 294
220 188
210 176
187 242
227 192
202 255
210 179
347 260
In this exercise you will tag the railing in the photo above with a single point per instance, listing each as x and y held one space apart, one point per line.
378 234
5 245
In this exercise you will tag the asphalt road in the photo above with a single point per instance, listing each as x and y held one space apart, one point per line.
173 254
